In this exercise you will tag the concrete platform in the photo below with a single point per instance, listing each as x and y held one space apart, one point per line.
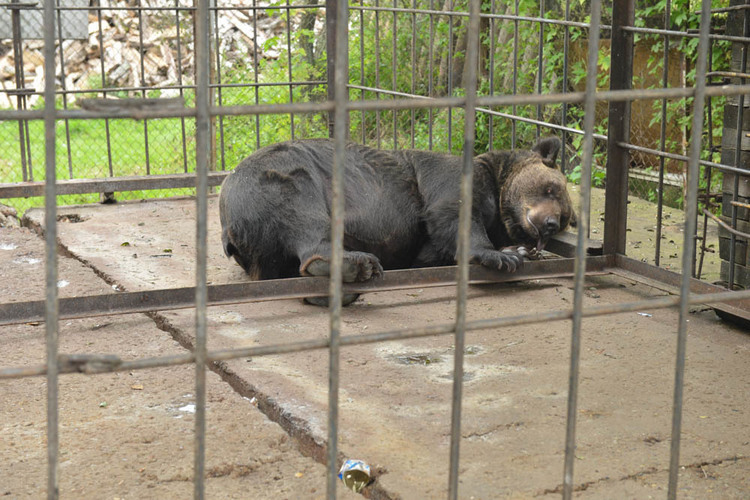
395 396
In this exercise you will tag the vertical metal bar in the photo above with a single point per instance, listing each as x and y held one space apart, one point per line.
580 262
430 80
566 59
179 83
662 137
142 83
413 65
618 158
540 69
15 16
491 118
464 240
341 78
691 201
738 152
515 77
377 72
64 89
255 69
203 149
708 170
450 76
217 62
103 72
394 71
331 19
50 246
289 56
362 69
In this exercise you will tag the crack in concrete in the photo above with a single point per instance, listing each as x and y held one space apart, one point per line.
297 428
645 472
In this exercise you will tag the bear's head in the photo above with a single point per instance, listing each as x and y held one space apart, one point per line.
534 200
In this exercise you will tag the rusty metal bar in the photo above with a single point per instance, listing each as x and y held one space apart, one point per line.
464 243
662 138
688 250
340 77
674 156
203 147
580 261
258 291
738 311
726 226
109 184
109 363
376 105
621 76
51 316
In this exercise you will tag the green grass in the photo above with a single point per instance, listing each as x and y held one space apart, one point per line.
87 155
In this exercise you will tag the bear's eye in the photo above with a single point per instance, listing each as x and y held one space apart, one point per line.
548 191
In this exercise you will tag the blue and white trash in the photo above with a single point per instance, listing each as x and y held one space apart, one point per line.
355 474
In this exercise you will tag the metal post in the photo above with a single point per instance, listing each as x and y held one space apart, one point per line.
203 151
580 263
50 224
688 250
618 158
662 138
464 241
331 17
340 114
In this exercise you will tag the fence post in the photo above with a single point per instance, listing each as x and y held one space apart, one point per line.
331 14
735 150
618 158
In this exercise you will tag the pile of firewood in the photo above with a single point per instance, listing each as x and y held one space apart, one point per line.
126 49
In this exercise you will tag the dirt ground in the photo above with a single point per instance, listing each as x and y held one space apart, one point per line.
129 435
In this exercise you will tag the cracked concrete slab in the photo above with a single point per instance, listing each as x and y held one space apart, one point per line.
127 434
395 396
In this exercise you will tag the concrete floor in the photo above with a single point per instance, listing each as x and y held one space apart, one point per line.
395 396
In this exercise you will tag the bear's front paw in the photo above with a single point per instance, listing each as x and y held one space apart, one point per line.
509 259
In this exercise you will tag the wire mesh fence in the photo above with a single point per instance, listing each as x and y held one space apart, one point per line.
167 91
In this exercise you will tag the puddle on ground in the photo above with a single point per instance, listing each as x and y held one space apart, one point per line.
423 359
27 260
72 218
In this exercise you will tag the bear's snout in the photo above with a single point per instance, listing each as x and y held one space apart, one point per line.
551 226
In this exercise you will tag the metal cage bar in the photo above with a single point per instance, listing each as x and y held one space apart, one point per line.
339 107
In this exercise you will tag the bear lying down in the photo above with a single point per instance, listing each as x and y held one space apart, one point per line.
401 209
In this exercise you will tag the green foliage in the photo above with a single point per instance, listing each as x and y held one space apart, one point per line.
405 53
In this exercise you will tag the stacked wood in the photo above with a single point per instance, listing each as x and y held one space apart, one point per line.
128 49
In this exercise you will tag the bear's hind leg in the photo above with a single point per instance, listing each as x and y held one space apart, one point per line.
357 266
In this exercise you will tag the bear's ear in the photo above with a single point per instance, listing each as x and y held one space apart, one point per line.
548 149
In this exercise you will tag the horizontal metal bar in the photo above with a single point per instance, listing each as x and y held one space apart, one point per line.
453 13
108 184
738 309
497 100
20 5
105 363
256 291
675 156
134 8
140 88
538 122
682 34
725 225
564 244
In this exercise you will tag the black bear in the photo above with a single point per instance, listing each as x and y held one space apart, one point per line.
401 209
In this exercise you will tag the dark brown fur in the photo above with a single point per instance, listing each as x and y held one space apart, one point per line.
401 208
